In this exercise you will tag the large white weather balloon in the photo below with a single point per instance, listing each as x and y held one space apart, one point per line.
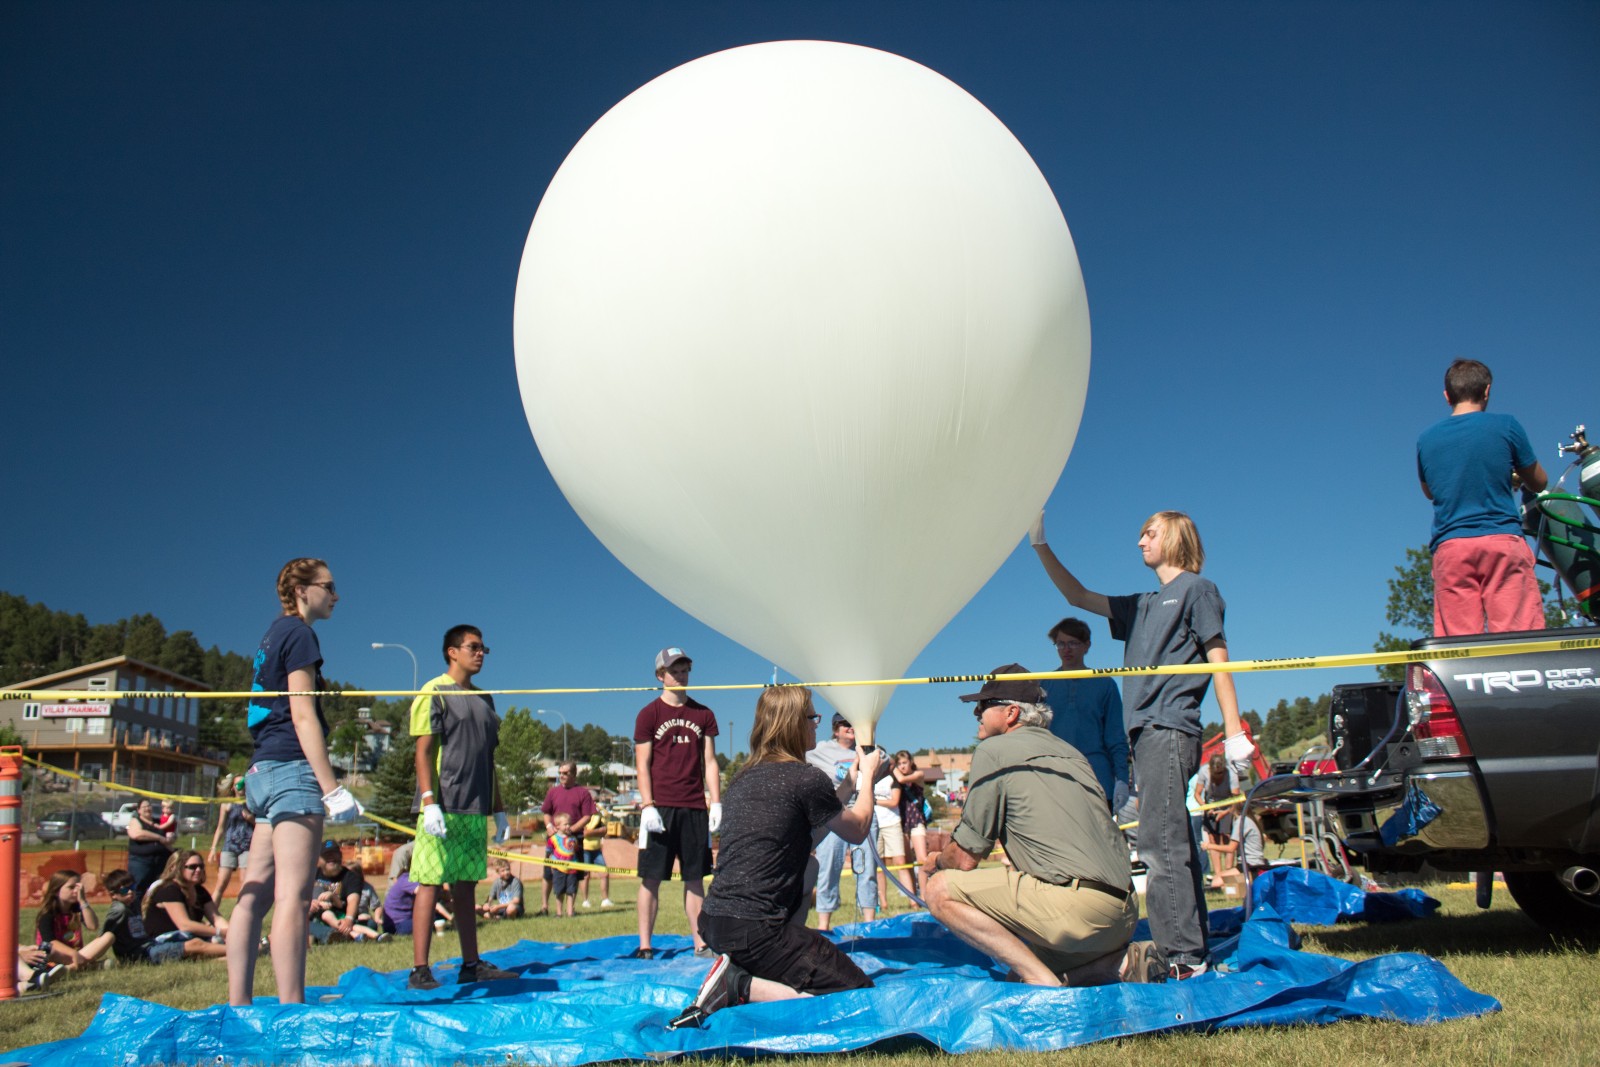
801 335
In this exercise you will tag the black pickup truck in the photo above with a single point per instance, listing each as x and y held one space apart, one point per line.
1476 764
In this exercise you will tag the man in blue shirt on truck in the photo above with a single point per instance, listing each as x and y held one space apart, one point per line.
1483 578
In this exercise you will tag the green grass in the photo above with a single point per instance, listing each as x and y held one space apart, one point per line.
1547 992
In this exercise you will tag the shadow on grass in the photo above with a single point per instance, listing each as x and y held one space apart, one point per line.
1499 932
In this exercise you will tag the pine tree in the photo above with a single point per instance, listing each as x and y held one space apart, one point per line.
395 781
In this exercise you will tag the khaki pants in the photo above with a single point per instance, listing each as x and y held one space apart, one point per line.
1064 927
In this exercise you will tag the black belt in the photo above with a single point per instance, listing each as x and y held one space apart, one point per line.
1108 890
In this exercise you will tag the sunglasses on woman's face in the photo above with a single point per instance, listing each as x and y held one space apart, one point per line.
194 866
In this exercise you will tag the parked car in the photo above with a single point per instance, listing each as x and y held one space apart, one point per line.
74 826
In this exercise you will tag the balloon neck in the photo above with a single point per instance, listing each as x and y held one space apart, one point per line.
864 738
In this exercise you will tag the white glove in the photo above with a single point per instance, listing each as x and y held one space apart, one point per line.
1119 795
716 816
339 804
502 827
1036 531
1239 748
433 821
650 821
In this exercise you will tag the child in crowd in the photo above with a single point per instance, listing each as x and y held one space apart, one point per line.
1240 840
335 913
1217 782
913 817
562 846
505 894
371 906
63 916
131 942
235 827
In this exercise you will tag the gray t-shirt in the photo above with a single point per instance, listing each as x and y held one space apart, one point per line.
1168 626
1038 797
1248 834
466 732
835 760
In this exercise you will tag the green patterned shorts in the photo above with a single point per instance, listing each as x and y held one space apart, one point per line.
461 856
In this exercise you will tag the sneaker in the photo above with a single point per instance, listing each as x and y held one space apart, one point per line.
1145 962
606 903
483 971
586 903
43 977
726 985
641 954
422 978
704 952
1179 972
382 937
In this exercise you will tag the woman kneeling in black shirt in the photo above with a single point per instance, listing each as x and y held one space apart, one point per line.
754 915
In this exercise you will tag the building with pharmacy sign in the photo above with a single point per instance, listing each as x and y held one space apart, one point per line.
150 741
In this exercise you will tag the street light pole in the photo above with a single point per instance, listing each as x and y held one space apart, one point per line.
563 718
363 716
407 651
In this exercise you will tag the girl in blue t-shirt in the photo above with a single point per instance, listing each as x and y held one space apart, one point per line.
287 787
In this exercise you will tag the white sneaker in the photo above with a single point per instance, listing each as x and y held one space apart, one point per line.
606 903
586 903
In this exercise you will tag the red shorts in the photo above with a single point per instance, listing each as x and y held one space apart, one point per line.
1485 585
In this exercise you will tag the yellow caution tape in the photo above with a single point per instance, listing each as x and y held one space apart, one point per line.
117 787
1284 663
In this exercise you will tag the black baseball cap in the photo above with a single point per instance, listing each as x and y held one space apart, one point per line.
1020 692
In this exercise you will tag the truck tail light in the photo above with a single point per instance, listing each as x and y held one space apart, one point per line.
1434 722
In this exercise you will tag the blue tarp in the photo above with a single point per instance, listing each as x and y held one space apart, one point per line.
583 1003
1314 898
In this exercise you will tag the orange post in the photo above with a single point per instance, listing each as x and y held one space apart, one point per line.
10 865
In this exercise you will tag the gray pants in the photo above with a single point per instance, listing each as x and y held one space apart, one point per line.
1163 762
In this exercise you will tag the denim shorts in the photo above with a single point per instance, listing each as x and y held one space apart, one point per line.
276 790
159 951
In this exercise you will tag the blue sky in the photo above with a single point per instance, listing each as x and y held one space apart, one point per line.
259 264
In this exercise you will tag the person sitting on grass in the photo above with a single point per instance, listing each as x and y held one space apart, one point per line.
63 916
335 912
371 905
132 943
178 907
561 846
778 808
1238 834
505 894
1216 783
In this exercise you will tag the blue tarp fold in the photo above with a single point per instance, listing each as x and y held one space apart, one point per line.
1314 898
584 1003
